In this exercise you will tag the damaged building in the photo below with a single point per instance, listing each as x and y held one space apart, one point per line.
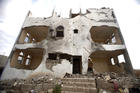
81 44
3 60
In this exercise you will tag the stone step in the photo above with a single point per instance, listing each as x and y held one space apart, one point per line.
79 89
78 79
80 84
71 92
81 76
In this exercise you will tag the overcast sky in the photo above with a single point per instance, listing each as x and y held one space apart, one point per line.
13 12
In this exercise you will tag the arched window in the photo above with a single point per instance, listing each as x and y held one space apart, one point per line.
20 58
60 31
60 28
112 61
28 60
26 40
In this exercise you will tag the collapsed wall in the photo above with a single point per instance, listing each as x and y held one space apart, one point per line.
75 45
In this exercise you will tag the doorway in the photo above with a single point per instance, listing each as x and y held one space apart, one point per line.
77 64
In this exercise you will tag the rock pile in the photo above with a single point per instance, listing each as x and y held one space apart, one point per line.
33 85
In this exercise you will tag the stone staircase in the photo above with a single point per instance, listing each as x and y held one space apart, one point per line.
79 85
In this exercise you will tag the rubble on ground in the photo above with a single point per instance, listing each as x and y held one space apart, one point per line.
114 82
44 84
109 82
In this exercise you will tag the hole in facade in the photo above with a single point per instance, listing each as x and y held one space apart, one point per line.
75 31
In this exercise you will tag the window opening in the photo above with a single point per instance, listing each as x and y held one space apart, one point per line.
60 31
28 60
52 56
20 58
121 58
112 61
75 31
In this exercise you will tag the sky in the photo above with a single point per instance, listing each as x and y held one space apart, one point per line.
13 13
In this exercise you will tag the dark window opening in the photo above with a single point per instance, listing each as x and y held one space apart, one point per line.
59 34
60 31
75 30
52 56
65 56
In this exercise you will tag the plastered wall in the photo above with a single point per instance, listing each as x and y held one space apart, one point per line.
80 44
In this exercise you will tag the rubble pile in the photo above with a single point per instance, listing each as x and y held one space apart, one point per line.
44 84
109 82
116 82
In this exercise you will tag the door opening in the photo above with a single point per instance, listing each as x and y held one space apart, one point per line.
77 64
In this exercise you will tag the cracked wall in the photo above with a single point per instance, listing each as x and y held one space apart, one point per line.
57 45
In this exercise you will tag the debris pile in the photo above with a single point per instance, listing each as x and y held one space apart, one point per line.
35 85
109 82
114 82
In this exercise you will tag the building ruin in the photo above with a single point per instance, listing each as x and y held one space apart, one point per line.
76 45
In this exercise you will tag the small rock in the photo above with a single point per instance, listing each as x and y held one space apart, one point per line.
107 78
15 83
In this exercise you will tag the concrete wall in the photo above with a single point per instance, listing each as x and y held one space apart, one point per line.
3 60
80 43
101 64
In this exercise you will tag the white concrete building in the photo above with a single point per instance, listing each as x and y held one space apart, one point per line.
77 45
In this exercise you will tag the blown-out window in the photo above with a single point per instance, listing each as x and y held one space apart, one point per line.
112 61
28 60
26 40
20 58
